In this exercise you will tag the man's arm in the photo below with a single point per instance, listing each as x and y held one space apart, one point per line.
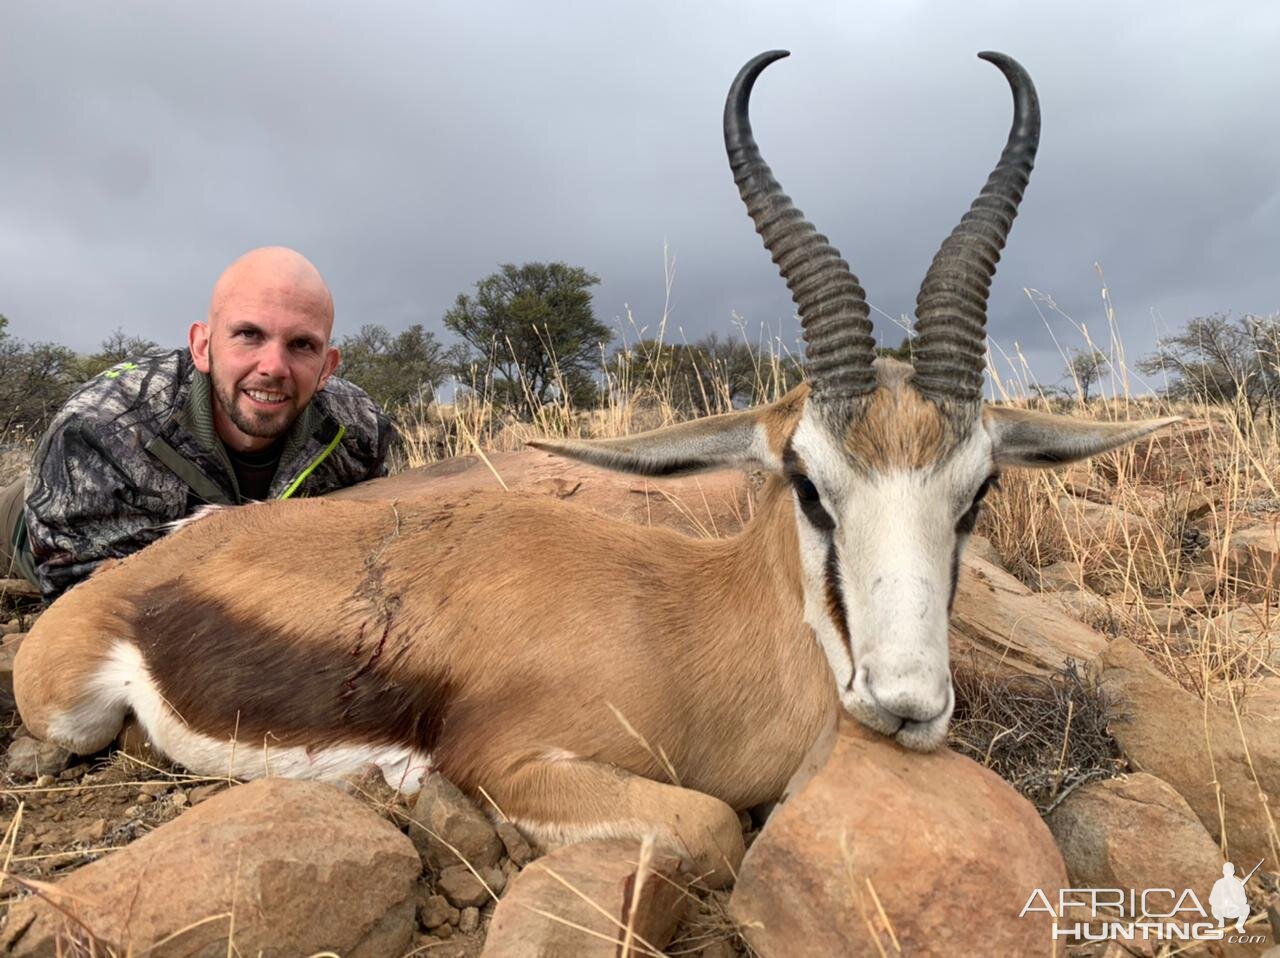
82 509
387 434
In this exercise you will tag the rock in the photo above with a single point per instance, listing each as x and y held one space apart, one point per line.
981 548
434 912
1090 609
469 920
1245 630
1134 832
202 793
8 650
90 833
1000 626
12 627
1252 563
465 889
603 873
1167 731
1198 505
303 868
1061 576
940 839
1166 619
518 849
443 816
31 758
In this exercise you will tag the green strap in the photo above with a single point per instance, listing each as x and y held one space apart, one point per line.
293 486
205 487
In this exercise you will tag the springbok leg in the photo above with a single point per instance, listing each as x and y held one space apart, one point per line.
557 802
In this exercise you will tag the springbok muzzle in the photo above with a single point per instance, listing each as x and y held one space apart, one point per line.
914 708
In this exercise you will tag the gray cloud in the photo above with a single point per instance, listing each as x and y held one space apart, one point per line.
410 148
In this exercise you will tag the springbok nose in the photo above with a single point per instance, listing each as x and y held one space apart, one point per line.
912 698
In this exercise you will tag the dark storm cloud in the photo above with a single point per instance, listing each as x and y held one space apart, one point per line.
409 148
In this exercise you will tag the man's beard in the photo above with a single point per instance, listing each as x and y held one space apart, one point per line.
259 425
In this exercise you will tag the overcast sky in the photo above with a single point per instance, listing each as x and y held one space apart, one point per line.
409 149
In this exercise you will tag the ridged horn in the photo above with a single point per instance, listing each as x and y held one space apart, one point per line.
949 352
833 306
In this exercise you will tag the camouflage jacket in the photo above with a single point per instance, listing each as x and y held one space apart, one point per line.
135 448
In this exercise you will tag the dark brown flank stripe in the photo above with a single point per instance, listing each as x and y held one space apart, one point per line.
225 674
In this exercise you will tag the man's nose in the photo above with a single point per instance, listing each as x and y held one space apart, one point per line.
273 361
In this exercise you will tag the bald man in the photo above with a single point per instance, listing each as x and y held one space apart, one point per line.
250 410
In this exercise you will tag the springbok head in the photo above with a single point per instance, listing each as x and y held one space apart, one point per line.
887 463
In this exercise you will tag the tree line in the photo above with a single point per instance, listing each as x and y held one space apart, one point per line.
528 336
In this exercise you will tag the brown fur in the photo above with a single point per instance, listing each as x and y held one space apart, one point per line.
779 419
490 630
898 428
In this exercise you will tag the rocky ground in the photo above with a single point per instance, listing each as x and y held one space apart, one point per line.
1157 572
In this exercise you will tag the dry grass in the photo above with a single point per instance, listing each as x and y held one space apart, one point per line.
1044 736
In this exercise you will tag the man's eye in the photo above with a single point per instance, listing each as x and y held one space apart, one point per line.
304 346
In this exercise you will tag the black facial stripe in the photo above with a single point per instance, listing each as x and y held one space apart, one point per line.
835 596
965 524
970 519
955 576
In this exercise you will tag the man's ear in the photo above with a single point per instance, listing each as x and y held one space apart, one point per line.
198 342
331 360
1021 437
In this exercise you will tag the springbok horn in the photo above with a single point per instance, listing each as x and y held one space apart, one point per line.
949 353
833 307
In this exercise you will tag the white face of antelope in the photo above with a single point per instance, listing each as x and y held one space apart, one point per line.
883 511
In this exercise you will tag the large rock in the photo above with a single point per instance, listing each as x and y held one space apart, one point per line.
286 867
30 758
1252 563
8 651
577 901
935 845
1001 626
1200 750
448 829
1134 832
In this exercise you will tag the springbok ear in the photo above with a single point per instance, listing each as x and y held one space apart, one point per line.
1025 438
733 439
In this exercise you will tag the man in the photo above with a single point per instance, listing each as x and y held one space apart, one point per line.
250 411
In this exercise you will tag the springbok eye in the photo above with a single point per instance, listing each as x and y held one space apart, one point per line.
806 491
811 503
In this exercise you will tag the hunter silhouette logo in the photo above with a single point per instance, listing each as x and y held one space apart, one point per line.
1228 900
1151 914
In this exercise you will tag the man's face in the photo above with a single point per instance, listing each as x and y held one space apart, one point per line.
266 353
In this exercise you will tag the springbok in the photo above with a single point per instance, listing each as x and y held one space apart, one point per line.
597 678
